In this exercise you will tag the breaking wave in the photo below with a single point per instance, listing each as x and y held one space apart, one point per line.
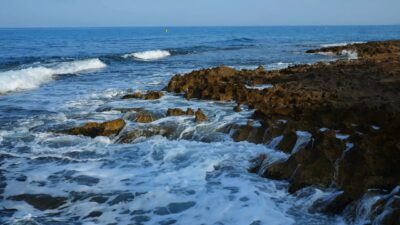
148 55
33 77
341 44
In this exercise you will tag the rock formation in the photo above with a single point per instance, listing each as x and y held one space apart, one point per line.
92 129
339 121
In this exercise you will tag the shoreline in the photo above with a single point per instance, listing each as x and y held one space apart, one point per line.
339 121
328 130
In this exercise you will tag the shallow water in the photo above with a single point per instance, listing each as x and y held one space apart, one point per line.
52 79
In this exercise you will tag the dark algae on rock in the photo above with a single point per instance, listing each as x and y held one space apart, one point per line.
339 122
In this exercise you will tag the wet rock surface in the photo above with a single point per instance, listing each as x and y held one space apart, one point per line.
200 116
145 116
40 201
349 111
180 112
150 95
93 129
144 132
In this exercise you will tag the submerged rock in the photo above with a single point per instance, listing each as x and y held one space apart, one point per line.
40 201
94 129
144 132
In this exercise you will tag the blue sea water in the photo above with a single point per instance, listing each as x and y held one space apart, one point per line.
53 79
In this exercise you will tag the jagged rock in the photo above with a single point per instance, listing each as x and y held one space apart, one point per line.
332 205
180 112
175 112
189 112
312 165
150 95
237 108
134 95
335 95
153 95
94 129
40 201
126 110
247 132
288 142
256 163
200 116
145 132
144 116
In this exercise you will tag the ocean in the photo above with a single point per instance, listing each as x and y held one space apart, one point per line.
52 79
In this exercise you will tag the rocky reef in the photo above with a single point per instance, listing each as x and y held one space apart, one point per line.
93 129
339 122
150 95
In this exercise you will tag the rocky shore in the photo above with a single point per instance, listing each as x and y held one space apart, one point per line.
338 121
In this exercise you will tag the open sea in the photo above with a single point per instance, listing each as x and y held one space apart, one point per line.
53 79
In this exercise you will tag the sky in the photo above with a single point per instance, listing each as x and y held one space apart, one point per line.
109 13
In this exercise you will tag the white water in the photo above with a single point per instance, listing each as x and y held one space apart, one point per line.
189 181
33 77
341 44
260 87
350 54
148 55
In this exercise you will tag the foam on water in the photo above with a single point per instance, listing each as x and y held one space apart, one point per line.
33 77
278 66
152 181
350 54
341 44
260 87
148 55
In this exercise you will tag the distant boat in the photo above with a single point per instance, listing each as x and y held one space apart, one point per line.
166 30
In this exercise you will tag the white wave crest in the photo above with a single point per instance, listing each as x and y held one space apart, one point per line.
341 44
350 54
33 77
149 55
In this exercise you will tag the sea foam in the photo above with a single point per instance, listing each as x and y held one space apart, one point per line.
33 77
341 44
148 55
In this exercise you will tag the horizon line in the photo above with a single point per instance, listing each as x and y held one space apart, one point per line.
195 26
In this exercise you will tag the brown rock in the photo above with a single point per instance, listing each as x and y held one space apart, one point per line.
150 95
175 112
145 132
133 135
180 112
256 163
189 112
144 117
358 98
200 116
134 95
237 108
93 129
126 110
288 142
312 165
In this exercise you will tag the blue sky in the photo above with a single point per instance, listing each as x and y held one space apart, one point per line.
92 13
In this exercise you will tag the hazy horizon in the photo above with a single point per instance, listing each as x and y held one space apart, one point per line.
179 13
